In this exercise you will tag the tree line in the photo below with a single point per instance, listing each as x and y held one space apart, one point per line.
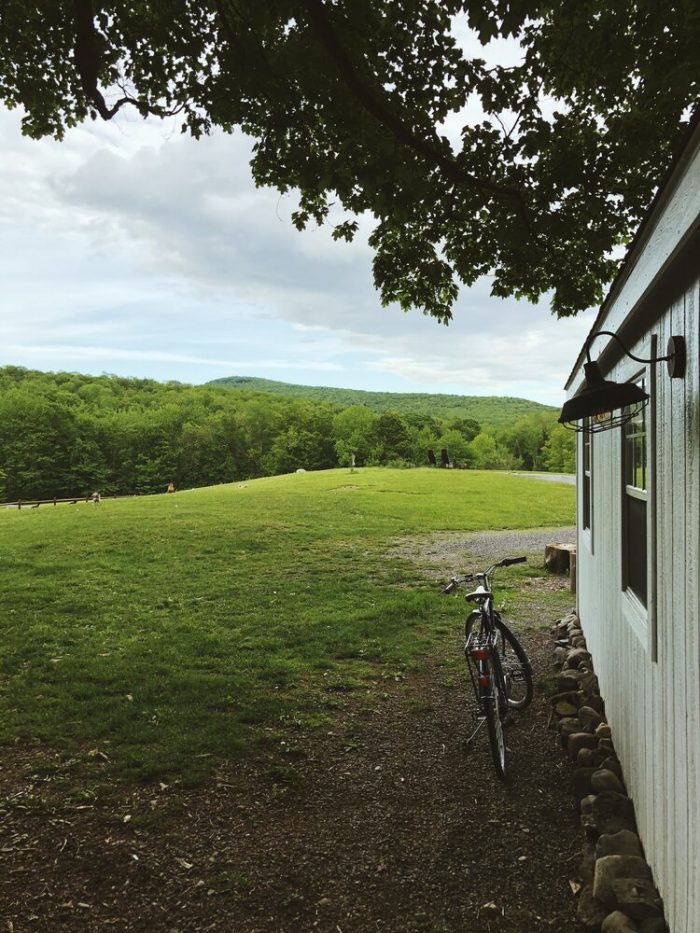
497 410
66 434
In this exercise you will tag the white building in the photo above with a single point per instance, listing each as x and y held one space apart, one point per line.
638 517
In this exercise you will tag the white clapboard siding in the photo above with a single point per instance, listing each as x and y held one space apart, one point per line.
648 663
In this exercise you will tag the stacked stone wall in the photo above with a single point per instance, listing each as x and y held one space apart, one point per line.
616 892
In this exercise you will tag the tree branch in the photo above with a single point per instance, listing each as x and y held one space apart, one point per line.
377 108
87 62
87 59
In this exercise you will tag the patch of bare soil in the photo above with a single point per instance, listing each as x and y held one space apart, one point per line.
384 821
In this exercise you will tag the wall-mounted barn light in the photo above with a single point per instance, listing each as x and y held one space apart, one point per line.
600 404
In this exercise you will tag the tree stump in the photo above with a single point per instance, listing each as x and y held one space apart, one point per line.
557 557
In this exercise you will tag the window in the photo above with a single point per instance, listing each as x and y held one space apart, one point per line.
586 482
634 507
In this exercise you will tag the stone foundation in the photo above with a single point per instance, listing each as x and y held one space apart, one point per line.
617 893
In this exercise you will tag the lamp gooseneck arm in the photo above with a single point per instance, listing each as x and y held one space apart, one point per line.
638 359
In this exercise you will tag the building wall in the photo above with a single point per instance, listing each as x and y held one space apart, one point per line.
648 663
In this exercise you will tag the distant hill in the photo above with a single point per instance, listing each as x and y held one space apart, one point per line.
486 409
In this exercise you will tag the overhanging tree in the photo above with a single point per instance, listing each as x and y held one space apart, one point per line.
347 102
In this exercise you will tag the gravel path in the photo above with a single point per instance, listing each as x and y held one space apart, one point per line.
454 552
569 479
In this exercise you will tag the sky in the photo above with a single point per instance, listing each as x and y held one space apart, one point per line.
131 249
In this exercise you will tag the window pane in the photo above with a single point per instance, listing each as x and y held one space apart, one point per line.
635 453
635 507
586 477
637 547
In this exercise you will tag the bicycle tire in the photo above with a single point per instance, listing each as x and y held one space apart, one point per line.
517 670
490 697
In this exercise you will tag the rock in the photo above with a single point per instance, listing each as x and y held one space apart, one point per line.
596 703
561 654
609 803
611 868
606 780
579 740
595 826
587 804
612 764
582 781
583 759
590 718
575 631
589 911
566 681
623 843
607 814
569 722
587 866
654 925
589 826
563 708
588 683
603 731
572 727
576 658
578 641
599 756
617 922
637 896
606 743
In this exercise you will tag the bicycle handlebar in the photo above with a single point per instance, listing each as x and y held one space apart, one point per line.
486 575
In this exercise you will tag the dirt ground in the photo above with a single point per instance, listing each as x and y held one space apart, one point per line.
386 820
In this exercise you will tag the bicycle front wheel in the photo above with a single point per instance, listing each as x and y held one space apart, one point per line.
491 694
516 667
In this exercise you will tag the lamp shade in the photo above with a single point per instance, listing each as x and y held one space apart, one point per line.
598 399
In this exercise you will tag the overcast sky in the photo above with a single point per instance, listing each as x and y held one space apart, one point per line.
134 250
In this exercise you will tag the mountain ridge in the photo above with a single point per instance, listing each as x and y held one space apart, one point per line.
497 410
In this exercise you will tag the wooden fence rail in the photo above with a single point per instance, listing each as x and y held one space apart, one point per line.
35 503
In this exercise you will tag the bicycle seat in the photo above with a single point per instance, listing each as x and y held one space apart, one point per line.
478 595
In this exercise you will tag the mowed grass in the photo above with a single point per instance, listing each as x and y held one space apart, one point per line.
171 632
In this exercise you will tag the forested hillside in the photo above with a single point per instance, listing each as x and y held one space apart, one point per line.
486 409
65 434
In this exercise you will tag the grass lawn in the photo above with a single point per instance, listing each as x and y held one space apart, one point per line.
171 632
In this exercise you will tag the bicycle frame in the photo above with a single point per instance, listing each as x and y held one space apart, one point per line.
481 647
492 684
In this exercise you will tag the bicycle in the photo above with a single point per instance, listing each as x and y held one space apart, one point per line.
501 678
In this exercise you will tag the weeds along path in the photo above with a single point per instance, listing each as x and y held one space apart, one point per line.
383 820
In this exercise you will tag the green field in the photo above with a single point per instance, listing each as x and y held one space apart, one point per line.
171 632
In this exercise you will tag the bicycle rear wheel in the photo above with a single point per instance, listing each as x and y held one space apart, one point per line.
491 694
516 667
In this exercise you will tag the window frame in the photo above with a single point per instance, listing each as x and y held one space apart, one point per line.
640 616
587 483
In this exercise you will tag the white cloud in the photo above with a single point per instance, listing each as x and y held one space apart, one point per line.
130 244
105 354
